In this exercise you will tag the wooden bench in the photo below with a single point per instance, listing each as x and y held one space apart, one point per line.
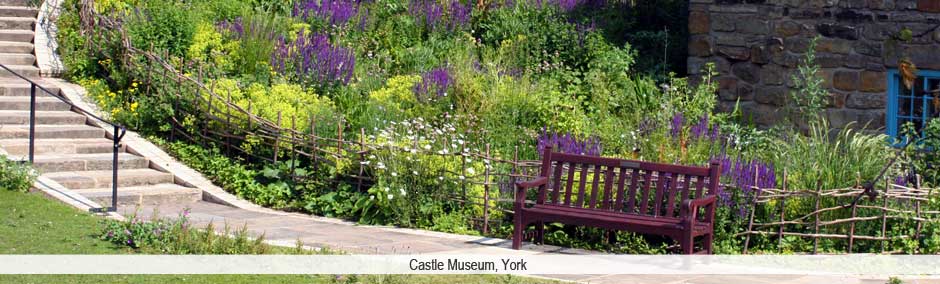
648 198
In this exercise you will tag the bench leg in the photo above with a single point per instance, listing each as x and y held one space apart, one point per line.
707 243
517 231
611 237
540 233
687 243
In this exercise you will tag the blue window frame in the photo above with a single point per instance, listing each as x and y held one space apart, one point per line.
917 105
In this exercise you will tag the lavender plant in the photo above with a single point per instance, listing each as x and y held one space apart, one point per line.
333 12
569 144
433 85
313 61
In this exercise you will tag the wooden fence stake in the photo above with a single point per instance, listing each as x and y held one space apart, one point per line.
277 135
917 210
783 213
884 215
293 153
362 154
486 191
816 214
750 222
313 143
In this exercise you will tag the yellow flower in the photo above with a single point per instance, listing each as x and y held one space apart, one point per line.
134 106
134 84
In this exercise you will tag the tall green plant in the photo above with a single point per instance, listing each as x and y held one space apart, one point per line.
809 97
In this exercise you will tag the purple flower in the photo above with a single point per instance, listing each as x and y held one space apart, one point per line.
459 16
130 242
700 129
335 12
569 144
313 59
428 10
434 82
678 120
715 133
110 234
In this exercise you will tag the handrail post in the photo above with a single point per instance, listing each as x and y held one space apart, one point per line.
32 121
114 168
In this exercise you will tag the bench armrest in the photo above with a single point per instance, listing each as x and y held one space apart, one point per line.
690 208
522 186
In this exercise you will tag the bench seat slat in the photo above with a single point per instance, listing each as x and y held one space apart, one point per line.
612 220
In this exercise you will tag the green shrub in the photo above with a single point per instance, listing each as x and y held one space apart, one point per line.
16 176
165 25
178 236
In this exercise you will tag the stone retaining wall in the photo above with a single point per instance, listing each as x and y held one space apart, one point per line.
757 44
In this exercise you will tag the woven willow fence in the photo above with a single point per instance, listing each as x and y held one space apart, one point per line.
202 116
836 214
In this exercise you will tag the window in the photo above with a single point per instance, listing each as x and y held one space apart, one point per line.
918 105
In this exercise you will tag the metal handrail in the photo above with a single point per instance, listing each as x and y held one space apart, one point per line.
119 132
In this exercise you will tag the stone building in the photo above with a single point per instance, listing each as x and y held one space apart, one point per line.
757 44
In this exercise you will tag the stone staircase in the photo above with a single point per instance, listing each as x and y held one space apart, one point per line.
69 148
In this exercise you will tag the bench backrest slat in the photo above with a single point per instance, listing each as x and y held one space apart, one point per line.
631 195
618 203
556 182
647 186
595 186
684 193
608 184
570 186
671 194
581 182
620 185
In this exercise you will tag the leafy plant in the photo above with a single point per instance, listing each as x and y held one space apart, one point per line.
16 176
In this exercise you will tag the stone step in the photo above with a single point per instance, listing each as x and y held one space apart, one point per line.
16 47
87 162
17 3
102 179
17 23
28 71
18 11
147 194
51 132
20 147
42 103
19 88
17 35
42 117
17 59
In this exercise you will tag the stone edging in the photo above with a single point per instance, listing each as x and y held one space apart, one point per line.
44 41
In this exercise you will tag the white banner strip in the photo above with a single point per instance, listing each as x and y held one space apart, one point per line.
471 264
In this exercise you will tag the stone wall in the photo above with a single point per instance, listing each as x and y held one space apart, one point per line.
757 44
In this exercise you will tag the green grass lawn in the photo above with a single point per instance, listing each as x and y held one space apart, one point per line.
33 224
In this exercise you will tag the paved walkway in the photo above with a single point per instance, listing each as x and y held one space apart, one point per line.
286 228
